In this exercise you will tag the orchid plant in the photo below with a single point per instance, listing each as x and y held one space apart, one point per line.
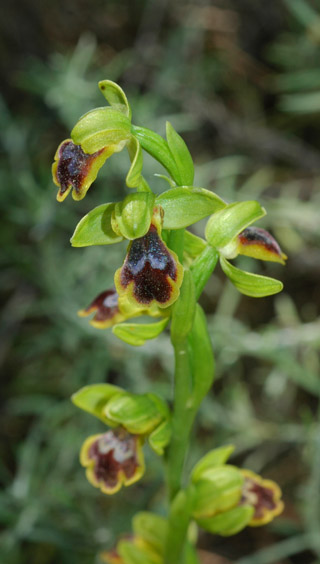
160 281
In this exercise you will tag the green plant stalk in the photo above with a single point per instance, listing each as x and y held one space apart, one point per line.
182 420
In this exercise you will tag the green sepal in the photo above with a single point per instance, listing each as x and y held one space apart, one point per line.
131 553
139 414
160 437
94 399
216 457
183 310
151 528
219 489
115 96
230 522
193 245
102 127
184 206
181 156
95 228
201 357
253 285
226 224
137 334
157 147
202 268
132 217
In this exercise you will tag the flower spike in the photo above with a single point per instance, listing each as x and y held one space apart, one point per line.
112 459
106 308
263 495
75 170
151 273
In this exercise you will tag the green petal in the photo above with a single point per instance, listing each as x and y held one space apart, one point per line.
216 457
185 206
137 334
253 285
226 224
101 128
95 228
94 398
181 156
115 96
132 216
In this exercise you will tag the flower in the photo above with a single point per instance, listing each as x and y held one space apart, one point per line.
258 243
263 495
75 170
151 273
113 459
106 308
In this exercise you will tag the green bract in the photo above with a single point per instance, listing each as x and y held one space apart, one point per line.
181 155
185 206
227 223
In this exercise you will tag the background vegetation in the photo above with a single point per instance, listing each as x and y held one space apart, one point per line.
240 80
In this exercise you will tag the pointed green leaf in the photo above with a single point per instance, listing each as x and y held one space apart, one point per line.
226 224
185 206
160 437
94 398
95 228
115 96
183 310
137 413
201 357
181 156
249 284
137 334
102 127
157 147
216 457
229 522
132 216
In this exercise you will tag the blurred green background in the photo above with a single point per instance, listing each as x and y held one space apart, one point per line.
240 80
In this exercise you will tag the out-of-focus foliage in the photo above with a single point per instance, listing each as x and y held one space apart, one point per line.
240 81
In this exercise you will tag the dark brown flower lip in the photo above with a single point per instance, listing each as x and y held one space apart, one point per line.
112 459
151 272
73 169
106 308
263 495
259 243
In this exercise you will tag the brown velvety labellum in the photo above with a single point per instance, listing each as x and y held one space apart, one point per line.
261 497
73 166
113 452
261 237
148 265
105 305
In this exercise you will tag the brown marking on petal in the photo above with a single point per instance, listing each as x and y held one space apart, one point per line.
106 306
148 265
114 452
73 166
262 498
264 243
